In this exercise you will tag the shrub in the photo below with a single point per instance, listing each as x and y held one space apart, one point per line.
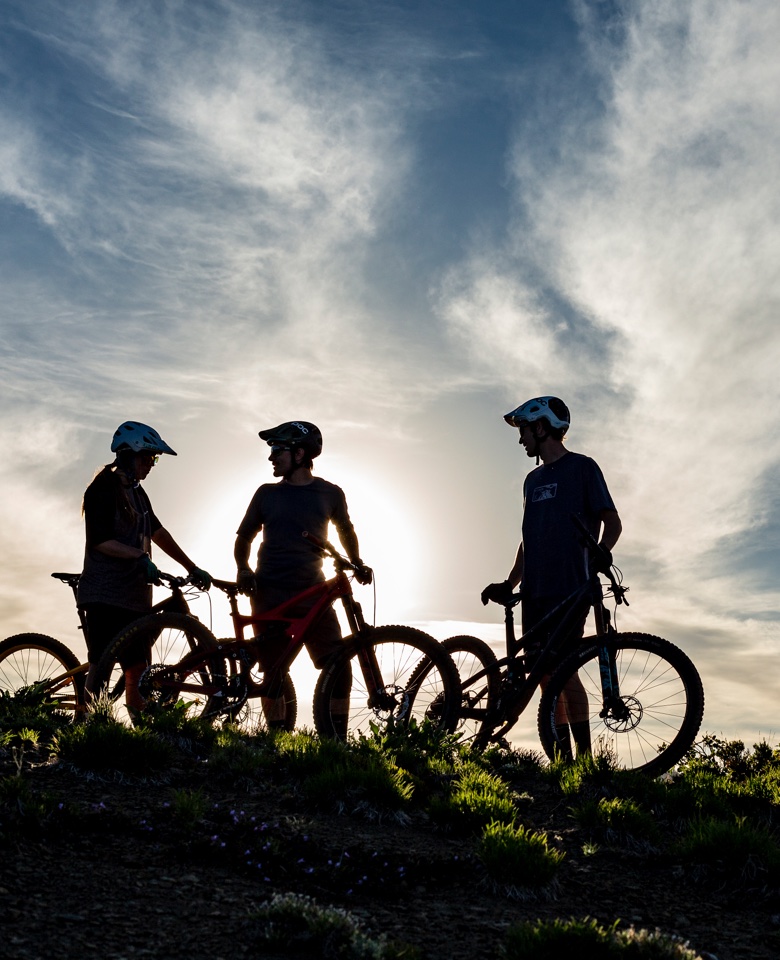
737 845
415 746
188 807
332 773
103 745
476 798
588 940
239 758
615 817
590 769
299 925
175 722
31 708
516 857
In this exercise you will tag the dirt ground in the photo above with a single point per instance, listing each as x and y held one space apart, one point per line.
112 874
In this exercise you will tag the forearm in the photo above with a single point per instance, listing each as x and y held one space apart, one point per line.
241 552
516 573
168 545
349 542
612 528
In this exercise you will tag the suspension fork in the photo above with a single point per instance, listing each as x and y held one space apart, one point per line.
610 685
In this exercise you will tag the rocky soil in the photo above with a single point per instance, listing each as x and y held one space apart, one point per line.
112 872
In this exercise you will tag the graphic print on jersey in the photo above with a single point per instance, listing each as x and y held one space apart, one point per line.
546 492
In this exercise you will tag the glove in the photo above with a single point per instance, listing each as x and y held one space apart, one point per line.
497 592
601 561
363 574
246 582
201 578
149 569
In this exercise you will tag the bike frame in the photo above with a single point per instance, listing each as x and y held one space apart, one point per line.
321 596
522 683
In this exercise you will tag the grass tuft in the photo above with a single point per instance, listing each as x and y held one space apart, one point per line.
516 857
614 818
588 940
298 925
738 846
476 798
103 745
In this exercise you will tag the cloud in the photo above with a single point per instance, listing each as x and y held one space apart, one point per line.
660 235
229 182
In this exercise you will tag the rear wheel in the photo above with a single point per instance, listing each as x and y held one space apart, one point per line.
278 709
656 717
479 680
28 659
375 683
204 684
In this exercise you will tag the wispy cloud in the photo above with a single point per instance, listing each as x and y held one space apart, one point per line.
660 231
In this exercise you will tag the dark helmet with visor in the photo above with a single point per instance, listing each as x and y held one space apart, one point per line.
293 434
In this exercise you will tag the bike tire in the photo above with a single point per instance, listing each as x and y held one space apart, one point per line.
480 681
434 696
172 636
259 713
33 658
660 689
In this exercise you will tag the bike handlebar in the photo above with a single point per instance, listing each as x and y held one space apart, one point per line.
171 581
363 574
324 546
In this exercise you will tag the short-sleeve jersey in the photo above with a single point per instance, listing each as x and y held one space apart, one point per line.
118 513
554 559
283 511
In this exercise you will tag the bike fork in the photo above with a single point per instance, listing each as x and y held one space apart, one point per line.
610 686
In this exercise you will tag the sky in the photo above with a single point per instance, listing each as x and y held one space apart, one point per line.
399 221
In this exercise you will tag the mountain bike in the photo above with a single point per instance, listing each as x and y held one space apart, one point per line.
35 659
641 695
368 684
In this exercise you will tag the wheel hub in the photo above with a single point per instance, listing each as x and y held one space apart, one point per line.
624 715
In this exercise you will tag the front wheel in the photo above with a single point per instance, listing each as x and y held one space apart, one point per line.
374 683
31 659
651 722
156 645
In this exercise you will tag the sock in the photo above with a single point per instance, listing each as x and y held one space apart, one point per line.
581 733
563 740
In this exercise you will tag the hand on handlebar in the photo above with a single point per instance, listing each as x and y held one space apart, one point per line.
363 574
201 578
245 580
601 560
497 592
149 569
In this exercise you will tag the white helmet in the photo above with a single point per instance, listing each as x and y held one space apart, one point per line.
137 437
551 409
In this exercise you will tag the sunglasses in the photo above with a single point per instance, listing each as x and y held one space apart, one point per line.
276 449
153 458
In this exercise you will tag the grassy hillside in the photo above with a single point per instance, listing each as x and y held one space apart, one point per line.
175 838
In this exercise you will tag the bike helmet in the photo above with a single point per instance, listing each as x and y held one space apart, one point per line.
295 433
551 409
138 438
